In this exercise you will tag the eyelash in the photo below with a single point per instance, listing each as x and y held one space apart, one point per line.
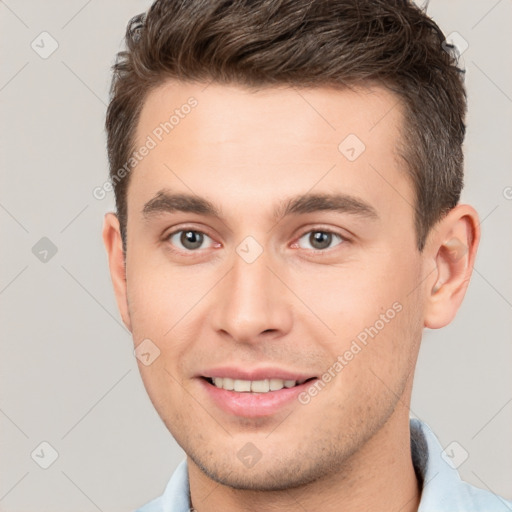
197 252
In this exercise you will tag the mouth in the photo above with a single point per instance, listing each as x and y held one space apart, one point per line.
254 386
255 398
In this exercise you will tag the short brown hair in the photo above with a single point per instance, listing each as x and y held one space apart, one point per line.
302 43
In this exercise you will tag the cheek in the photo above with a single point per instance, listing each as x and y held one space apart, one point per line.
352 297
370 370
160 295
375 313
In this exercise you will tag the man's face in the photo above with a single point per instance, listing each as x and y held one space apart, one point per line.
266 286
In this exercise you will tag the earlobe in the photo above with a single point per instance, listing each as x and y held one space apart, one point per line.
116 260
453 246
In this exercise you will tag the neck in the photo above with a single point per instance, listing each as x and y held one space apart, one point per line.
380 476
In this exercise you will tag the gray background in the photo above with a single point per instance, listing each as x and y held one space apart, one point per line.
68 375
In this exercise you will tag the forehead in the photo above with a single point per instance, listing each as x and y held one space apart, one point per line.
237 112
217 140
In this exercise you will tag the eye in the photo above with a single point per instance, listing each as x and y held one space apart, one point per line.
319 240
189 240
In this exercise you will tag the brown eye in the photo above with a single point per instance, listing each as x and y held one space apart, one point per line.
188 239
319 240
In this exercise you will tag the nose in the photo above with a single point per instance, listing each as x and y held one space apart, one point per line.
252 303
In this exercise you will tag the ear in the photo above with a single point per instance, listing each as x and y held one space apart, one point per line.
452 248
116 260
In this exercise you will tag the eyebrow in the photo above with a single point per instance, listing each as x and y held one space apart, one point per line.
166 202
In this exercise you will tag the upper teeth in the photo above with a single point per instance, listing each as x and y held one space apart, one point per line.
256 386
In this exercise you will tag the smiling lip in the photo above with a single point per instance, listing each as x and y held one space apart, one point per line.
251 404
255 374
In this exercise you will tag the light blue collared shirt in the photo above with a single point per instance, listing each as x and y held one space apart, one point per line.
443 489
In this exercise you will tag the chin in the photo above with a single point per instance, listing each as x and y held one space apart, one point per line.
273 474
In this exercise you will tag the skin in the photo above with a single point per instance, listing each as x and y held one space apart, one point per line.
293 307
